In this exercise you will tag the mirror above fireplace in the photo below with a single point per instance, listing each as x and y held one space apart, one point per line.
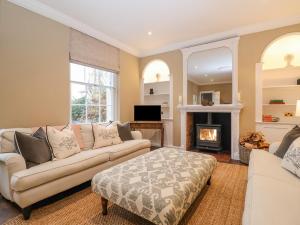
209 77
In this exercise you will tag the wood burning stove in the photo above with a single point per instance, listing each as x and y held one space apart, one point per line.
208 136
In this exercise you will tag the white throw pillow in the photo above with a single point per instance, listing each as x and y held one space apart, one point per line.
105 135
291 159
63 142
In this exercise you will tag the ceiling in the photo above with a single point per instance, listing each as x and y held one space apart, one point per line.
210 67
174 23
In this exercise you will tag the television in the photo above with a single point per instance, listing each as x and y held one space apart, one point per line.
147 113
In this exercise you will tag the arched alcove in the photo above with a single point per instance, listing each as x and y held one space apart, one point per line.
157 89
277 89
156 71
282 52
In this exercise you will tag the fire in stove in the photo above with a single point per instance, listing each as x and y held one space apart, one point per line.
208 134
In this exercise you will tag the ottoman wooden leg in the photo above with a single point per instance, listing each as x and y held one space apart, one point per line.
209 181
104 206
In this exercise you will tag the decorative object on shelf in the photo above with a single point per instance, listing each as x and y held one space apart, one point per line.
195 101
288 114
157 77
277 101
267 118
270 118
151 91
252 140
298 82
206 102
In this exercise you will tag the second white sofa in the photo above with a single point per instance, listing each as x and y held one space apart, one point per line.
273 193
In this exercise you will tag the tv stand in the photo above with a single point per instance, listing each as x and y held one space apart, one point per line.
150 125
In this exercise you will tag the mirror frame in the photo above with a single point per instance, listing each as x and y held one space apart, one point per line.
232 44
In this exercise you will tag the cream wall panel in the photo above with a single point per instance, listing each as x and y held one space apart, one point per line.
34 69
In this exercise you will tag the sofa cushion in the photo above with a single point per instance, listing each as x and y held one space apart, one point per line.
105 135
291 159
87 135
287 141
125 148
266 164
63 142
56 169
34 148
125 131
7 143
271 201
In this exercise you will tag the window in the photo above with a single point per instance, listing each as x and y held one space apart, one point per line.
93 94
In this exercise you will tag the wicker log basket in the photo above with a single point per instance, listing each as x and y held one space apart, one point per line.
254 140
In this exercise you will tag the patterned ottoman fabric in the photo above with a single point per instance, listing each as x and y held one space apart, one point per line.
159 186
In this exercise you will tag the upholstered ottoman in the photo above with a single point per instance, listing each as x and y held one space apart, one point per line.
159 186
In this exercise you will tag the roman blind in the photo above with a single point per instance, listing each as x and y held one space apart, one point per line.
87 50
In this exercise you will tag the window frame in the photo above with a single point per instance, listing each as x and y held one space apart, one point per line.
115 101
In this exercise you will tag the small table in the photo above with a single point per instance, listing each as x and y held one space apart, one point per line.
159 186
150 125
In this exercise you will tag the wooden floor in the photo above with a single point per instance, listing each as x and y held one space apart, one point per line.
222 156
9 210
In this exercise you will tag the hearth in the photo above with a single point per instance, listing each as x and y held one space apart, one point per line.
208 136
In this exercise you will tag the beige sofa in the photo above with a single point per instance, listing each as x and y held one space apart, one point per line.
28 186
273 193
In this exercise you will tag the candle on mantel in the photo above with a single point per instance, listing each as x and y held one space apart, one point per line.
180 99
239 96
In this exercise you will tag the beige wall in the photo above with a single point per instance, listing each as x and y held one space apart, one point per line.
34 71
251 48
192 89
129 85
174 61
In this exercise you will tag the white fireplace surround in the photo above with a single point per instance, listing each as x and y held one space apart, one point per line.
235 125
233 108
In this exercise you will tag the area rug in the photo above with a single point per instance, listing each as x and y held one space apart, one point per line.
221 203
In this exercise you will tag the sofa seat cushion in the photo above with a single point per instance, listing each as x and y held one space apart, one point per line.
56 169
266 164
271 201
125 148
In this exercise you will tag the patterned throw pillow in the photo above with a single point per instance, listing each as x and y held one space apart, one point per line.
63 142
105 135
291 159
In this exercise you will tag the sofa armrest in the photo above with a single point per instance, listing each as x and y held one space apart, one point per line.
274 146
136 135
10 163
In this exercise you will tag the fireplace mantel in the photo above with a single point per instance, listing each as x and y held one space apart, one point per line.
234 110
214 108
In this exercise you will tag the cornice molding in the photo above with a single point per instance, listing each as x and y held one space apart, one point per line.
44 10
255 28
